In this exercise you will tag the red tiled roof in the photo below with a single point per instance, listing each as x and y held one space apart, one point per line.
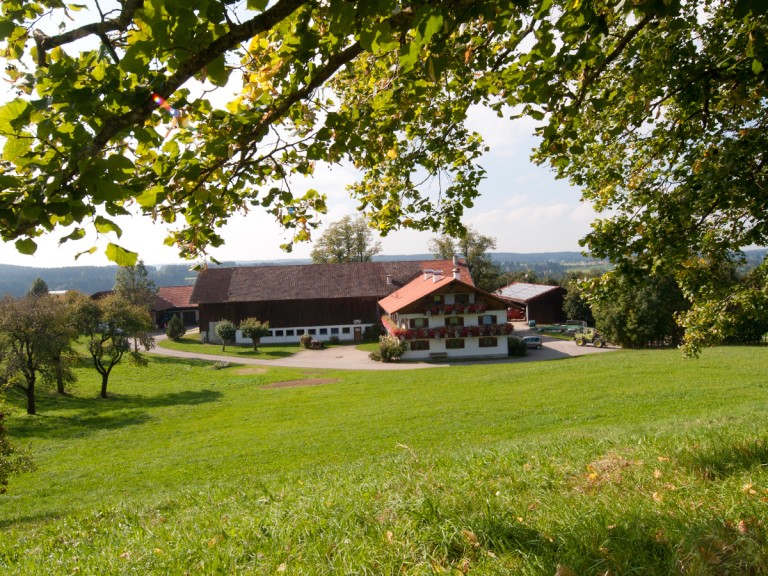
310 281
423 286
173 297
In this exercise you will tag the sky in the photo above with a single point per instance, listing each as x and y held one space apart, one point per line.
521 205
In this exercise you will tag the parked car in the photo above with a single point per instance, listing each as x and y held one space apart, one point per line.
532 342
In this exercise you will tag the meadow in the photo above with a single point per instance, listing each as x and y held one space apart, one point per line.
634 462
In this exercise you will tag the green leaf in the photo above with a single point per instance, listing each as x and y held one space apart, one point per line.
15 148
105 226
217 71
76 234
757 67
14 115
26 246
257 4
121 256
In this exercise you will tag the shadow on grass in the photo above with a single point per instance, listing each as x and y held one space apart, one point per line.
265 351
73 416
721 460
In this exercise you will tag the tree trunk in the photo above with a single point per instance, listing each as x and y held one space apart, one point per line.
104 382
256 342
30 390
59 377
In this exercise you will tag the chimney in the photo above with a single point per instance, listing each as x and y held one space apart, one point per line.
456 273
437 275
427 273
389 279
455 259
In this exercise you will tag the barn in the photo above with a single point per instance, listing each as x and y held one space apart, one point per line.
541 303
322 300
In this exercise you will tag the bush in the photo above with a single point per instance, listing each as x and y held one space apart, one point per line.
515 346
226 331
255 330
334 340
373 332
175 329
305 341
391 348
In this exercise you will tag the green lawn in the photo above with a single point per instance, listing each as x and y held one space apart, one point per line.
631 462
265 351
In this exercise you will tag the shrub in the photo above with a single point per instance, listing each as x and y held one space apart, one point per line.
175 329
226 331
391 348
255 330
373 332
515 346
305 341
334 340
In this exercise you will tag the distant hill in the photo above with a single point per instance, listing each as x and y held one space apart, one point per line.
16 280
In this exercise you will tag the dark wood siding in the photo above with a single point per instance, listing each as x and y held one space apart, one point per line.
285 314
547 308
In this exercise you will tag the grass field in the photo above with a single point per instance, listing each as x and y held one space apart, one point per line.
623 463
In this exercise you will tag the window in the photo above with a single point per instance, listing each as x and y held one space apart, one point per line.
345 330
323 330
489 342
312 331
334 330
486 319
418 323
454 320
289 332
461 298
300 332
419 344
438 299
279 333
454 343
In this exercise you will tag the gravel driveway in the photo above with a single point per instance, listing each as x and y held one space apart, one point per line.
349 358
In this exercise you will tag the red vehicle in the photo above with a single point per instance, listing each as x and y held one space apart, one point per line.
515 314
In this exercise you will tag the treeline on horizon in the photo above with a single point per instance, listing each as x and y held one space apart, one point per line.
16 280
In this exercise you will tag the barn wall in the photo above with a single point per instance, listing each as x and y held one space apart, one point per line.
295 313
547 308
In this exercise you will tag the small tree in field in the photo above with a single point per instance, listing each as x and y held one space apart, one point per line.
255 330
175 329
226 331
108 326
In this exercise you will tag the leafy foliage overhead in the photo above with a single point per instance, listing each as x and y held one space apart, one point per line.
656 108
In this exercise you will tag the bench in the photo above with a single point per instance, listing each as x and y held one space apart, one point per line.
438 355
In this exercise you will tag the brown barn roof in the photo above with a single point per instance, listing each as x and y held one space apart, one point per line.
311 281
174 297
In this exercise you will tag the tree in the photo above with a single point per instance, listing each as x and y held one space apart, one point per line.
31 338
656 109
255 330
108 325
38 288
475 247
346 240
133 285
576 304
175 329
637 311
225 330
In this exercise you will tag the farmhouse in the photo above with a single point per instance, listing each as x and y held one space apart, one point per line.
322 300
541 303
444 315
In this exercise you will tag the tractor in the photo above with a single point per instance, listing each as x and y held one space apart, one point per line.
589 336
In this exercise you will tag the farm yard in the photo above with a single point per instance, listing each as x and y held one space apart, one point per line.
628 462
